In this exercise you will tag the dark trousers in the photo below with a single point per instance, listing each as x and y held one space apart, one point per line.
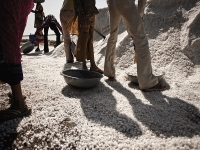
55 29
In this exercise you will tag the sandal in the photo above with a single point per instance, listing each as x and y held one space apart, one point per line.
112 78
70 61
37 50
157 87
97 70
14 112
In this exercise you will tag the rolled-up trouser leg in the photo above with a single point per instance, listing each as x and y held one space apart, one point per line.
65 17
135 28
115 17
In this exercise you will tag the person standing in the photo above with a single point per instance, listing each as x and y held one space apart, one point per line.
67 13
14 17
50 21
127 10
86 11
39 19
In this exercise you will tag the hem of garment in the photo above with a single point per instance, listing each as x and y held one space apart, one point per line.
11 73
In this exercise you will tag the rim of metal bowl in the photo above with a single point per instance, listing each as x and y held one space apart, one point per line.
61 73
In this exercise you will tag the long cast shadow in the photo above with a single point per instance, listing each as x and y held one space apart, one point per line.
101 108
9 133
164 115
174 117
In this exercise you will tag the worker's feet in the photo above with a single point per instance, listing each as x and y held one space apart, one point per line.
97 70
14 112
112 78
46 50
157 87
70 61
57 43
37 49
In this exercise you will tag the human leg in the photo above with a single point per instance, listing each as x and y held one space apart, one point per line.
65 17
55 29
38 48
115 17
18 99
11 69
90 47
46 47
136 30
12 74
39 38
82 43
18 106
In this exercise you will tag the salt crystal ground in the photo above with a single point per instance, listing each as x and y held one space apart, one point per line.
116 115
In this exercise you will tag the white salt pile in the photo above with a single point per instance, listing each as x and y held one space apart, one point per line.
117 115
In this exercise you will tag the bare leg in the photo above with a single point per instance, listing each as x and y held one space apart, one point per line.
38 48
84 66
18 107
93 65
65 17
18 99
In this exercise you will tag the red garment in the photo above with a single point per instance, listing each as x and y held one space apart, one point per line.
13 18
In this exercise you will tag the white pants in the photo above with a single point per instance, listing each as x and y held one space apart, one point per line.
127 10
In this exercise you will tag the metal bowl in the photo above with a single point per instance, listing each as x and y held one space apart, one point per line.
81 78
27 47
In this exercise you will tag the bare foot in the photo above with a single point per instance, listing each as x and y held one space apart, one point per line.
97 70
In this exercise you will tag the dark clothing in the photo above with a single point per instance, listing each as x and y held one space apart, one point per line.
86 6
11 73
50 21
46 29
47 21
